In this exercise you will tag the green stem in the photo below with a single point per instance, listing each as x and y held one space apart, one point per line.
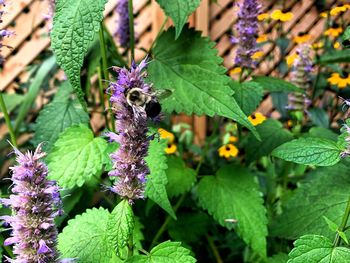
102 96
160 31
7 120
105 72
214 249
132 33
343 224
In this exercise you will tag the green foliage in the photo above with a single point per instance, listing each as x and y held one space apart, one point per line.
278 258
75 24
76 157
180 177
319 117
324 194
120 225
107 161
233 194
85 237
317 249
309 151
190 68
272 84
157 180
248 95
179 11
320 132
166 252
12 101
272 135
335 56
346 38
56 116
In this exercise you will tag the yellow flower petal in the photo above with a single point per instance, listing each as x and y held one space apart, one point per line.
290 59
334 79
287 17
164 134
261 38
257 55
324 14
334 32
233 139
302 39
228 150
235 70
317 45
338 9
171 148
276 14
336 45
263 16
257 118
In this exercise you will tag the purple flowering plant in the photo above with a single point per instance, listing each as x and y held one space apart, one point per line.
163 151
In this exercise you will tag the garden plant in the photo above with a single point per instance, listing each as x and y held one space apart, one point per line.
143 187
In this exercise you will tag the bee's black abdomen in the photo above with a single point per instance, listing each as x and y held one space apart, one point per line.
153 109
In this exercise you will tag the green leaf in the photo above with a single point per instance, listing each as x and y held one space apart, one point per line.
248 95
55 117
74 26
272 135
319 117
191 69
234 194
120 225
166 252
70 199
309 151
324 133
343 236
317 249
346 38
12 101
336 56
325 194
179 11
107 161
278 258
180 177
157 180
85 237
331 225
43 73
76 157
272 84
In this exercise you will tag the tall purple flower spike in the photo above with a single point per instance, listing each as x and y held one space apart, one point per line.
35 203
3 33
129 163
123 28
247 28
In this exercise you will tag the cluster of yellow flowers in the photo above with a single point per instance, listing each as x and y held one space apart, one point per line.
339 81
170 137
333 31
277 15
339 9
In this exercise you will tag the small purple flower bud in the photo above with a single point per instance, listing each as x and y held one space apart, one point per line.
34 202
131 126
123 28
247 27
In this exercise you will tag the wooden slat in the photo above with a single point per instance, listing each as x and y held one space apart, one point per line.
13 9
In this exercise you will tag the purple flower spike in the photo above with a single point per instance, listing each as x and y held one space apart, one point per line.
35 202
129 164
247 27
123 28
3 33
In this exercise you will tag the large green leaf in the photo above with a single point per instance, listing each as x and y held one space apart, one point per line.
180 177
272 135
275 84
121 225
324 194
248 95
55 117
309 151
157 180
318 249
336 56
191 69
179 10
76 157
74 26
85 237
12 101
234 194
166 252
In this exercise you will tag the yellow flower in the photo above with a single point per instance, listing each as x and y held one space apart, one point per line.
289 123
164 134
233 139
333 31
290 59
301 38
257 55
338 9
263 16
324 14
336 45
317 45
235 70
257 118
279 15
336 79
171 148
228 150
261 38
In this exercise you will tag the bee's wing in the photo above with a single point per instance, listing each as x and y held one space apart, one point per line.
162 93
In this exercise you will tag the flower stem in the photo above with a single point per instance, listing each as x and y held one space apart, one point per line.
131 28
160 31
8 121
343 224
102 97
214 249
